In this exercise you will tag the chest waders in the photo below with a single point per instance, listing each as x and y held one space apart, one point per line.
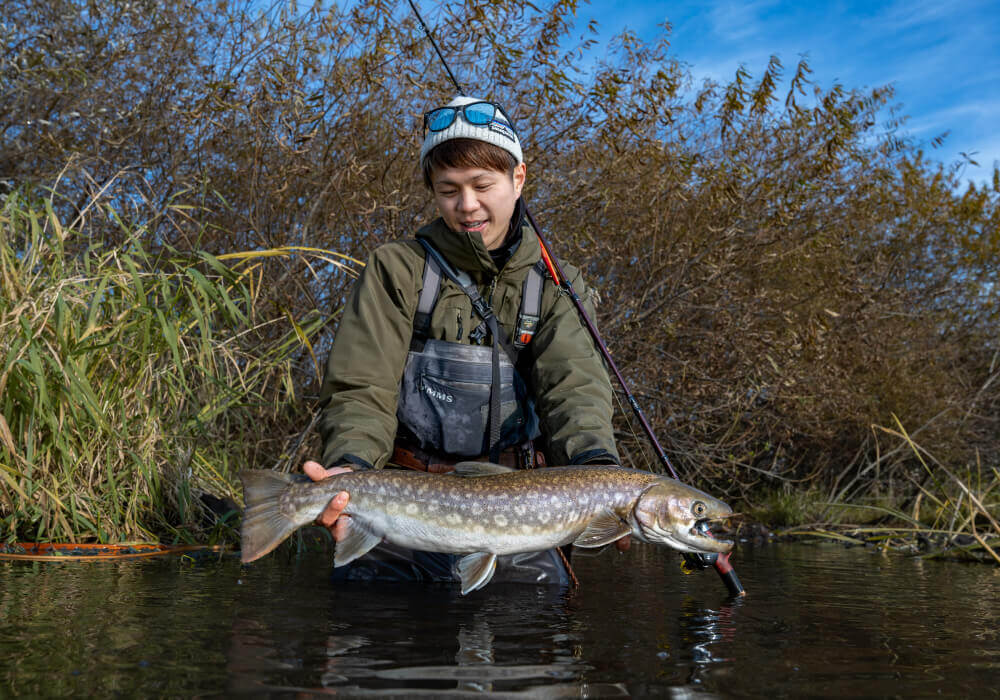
468 400
465 400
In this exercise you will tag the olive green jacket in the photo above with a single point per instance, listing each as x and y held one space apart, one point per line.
568 379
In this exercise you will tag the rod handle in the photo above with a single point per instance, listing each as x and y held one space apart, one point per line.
728 575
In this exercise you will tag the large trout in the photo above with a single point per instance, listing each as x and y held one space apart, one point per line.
484 510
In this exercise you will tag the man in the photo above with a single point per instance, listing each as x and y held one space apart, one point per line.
411 377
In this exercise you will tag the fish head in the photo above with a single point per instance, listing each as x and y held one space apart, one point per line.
679 516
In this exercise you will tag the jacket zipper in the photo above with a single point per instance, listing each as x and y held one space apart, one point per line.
493 288
489 302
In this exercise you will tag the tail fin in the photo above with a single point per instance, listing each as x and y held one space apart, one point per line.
264 526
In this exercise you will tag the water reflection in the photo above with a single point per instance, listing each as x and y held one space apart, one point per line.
818 621
510 641
701 627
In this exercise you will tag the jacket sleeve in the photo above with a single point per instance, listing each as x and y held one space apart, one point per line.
572 389
367 358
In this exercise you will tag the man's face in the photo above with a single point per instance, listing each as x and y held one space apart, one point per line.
478 201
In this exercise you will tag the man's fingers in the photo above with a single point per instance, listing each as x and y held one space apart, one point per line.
334 508
316 471
339 529
330 518
624 543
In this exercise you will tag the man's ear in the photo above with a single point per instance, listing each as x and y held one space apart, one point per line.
520 174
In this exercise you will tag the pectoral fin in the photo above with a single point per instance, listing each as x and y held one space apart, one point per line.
476 570
360 539
603 529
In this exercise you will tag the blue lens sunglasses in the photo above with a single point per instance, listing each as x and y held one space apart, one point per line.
475 113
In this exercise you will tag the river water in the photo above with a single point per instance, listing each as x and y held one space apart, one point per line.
819 621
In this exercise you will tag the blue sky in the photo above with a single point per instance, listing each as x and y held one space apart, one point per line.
942 57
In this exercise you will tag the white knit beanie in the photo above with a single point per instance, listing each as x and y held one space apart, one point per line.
499 132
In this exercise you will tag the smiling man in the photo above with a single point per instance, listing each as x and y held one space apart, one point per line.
457 347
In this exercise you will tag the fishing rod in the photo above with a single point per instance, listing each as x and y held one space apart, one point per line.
561 280
695 561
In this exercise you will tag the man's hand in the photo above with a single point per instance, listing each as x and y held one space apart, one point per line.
331 518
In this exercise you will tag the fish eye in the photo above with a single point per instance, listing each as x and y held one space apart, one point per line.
699 509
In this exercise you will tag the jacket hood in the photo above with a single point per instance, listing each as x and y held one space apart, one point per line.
467 251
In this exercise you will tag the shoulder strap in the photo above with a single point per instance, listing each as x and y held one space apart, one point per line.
531 305
482 309
527 316
428 297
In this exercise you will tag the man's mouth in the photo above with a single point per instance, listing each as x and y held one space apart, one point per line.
473 225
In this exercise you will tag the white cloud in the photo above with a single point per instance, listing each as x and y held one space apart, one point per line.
974 110
733 21
904 15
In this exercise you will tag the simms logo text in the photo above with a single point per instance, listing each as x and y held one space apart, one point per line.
439 395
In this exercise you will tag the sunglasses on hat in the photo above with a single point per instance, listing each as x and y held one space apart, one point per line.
475 113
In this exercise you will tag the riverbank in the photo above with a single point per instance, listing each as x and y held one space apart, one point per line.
138 379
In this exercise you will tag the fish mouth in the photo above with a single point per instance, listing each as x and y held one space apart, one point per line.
701 533
696 539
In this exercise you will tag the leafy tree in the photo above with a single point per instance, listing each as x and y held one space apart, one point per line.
778 272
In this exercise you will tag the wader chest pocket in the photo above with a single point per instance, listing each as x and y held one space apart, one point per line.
460 413
444 400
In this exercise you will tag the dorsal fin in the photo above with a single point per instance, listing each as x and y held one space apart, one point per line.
480 469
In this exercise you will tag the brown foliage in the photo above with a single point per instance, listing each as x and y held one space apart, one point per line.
778 274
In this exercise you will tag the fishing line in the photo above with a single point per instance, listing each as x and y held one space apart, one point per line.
628 422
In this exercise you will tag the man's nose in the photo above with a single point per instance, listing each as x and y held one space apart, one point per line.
467 200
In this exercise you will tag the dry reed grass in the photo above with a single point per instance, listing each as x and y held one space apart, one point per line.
951 515
133 381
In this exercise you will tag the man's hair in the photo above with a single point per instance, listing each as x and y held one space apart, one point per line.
468 153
